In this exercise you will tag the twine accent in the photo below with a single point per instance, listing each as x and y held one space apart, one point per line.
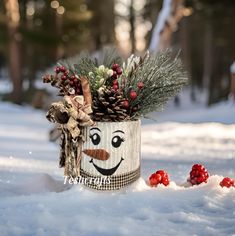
78 110
116 182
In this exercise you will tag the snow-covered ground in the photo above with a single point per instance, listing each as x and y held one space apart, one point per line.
34 200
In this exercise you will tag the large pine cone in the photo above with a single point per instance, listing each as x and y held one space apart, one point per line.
107 106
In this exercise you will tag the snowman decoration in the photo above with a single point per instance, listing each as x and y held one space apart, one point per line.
99 115
111 151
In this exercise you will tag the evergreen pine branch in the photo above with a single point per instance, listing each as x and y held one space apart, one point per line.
109 57
163 77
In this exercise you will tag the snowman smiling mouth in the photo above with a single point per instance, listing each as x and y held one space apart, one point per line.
101 154
106 172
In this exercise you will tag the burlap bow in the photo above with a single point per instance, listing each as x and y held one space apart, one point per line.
72 113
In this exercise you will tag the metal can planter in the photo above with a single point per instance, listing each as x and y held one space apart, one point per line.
111 155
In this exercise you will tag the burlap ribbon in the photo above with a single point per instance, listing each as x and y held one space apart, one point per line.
72 114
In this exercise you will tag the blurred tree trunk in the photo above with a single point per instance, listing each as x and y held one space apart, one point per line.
132 26
186 53
166 24
208 56
15 71
102 29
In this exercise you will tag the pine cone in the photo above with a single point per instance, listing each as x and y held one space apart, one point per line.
107 106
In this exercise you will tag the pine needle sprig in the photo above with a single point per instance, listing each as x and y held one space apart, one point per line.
163 77
109 57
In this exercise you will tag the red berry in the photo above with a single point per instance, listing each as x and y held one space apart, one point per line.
160 177
133 95
63 77
125 104
119 71
73 77
198 174
115 87
114 76
78 91
227 182
161 172
165 181
140 85
57 69
115 66
62 69
115 82
154 179
75 81
66 73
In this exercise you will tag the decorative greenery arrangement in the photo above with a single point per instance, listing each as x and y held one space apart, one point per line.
122 91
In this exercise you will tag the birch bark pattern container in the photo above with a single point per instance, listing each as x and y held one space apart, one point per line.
111 154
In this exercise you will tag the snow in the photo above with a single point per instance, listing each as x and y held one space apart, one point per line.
34 200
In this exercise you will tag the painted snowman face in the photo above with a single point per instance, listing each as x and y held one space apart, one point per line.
111 148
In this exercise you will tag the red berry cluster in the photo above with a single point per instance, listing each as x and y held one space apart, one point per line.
227 182
133 94
68 80
198 174
160 177
117 70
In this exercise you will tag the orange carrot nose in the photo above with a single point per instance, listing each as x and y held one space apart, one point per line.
99 154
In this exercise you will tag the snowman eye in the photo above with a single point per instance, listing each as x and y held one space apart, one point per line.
95 138
117 141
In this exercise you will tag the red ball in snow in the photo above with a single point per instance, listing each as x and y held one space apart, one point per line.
227 182
154 179
140 85
165 178
133 95
160 177
198 174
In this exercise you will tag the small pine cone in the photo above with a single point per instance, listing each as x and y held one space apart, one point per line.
107 106
47 78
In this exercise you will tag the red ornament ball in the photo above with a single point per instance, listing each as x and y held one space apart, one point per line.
227 182
155 179
133 95
198 174
140 85
160 177
125 104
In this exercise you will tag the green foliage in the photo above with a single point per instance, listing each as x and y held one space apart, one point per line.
153 80
163 77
